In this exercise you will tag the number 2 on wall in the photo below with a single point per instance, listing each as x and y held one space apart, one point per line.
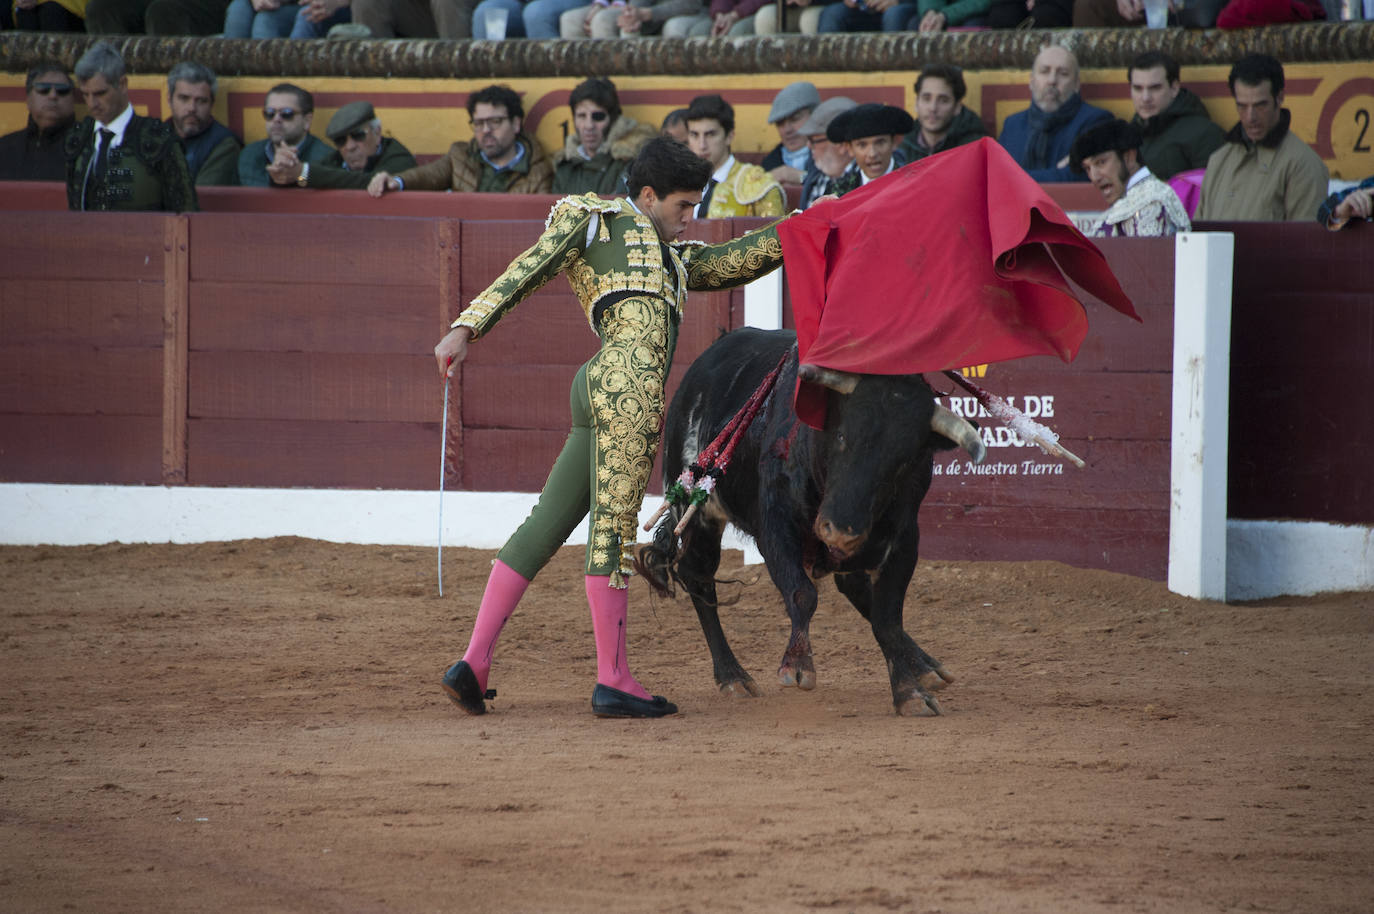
1362 119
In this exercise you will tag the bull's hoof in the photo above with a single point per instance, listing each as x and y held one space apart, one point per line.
934 680
740 688
802 678
917 704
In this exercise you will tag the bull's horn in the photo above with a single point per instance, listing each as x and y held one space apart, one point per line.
959 431
839 381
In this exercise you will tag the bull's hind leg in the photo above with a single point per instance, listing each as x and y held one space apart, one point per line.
697 569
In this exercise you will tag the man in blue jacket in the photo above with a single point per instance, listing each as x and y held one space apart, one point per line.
1041 137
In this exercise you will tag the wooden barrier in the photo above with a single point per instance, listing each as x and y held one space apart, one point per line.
267 349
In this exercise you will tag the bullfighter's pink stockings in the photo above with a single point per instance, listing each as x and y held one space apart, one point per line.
505 587
610 606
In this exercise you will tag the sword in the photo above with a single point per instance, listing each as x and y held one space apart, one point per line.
443 467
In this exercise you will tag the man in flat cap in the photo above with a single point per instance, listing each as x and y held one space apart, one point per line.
829 161
1139 204
871 132
787 162
359 151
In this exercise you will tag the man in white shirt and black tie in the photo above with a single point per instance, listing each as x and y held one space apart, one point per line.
117 160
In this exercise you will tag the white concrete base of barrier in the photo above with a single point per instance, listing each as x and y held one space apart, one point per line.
1269 558
1264 558
62 515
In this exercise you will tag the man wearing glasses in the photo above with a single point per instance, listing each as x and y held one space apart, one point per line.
360 150
500 159
288 112
829 161
35 153
117 160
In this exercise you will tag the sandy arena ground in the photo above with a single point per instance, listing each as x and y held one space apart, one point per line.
257 726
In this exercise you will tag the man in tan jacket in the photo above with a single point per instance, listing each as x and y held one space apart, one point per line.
1263 172
501 158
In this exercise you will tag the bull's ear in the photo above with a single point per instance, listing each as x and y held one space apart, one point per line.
956 432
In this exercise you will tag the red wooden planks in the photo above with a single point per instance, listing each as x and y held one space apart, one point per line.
51 380
315 316
81 313
314 386
356 455
356 250
84 450
105 247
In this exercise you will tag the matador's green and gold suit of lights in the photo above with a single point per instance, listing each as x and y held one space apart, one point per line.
632 287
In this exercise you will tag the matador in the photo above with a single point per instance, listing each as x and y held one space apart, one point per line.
631 275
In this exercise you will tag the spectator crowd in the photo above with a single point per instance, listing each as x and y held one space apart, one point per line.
574 19
1168 164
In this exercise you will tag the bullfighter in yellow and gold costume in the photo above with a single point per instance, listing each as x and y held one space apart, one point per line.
736 188
632 277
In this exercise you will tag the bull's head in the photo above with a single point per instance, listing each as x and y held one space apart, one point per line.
879 438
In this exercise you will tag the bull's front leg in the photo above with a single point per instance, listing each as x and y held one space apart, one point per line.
913 673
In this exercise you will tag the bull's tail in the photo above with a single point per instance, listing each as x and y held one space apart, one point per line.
656 561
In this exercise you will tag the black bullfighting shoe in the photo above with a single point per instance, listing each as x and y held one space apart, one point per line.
460 682
609 702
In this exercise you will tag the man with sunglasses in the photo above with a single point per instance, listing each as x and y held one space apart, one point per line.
288 112
117 160
360 150
500 158
602 144
35 153
212 150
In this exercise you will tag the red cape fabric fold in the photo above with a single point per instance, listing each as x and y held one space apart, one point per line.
956 260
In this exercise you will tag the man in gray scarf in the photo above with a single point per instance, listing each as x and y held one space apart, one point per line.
1041 137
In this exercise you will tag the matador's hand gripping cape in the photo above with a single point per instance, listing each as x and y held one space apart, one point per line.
956 260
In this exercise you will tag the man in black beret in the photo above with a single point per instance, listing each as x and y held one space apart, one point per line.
1139 204
360 151
871 132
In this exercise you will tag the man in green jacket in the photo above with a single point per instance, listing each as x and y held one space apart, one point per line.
360 150
602 143
942 119
212 150
1179 133
117 160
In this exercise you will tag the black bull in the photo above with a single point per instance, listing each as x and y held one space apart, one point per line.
842 501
